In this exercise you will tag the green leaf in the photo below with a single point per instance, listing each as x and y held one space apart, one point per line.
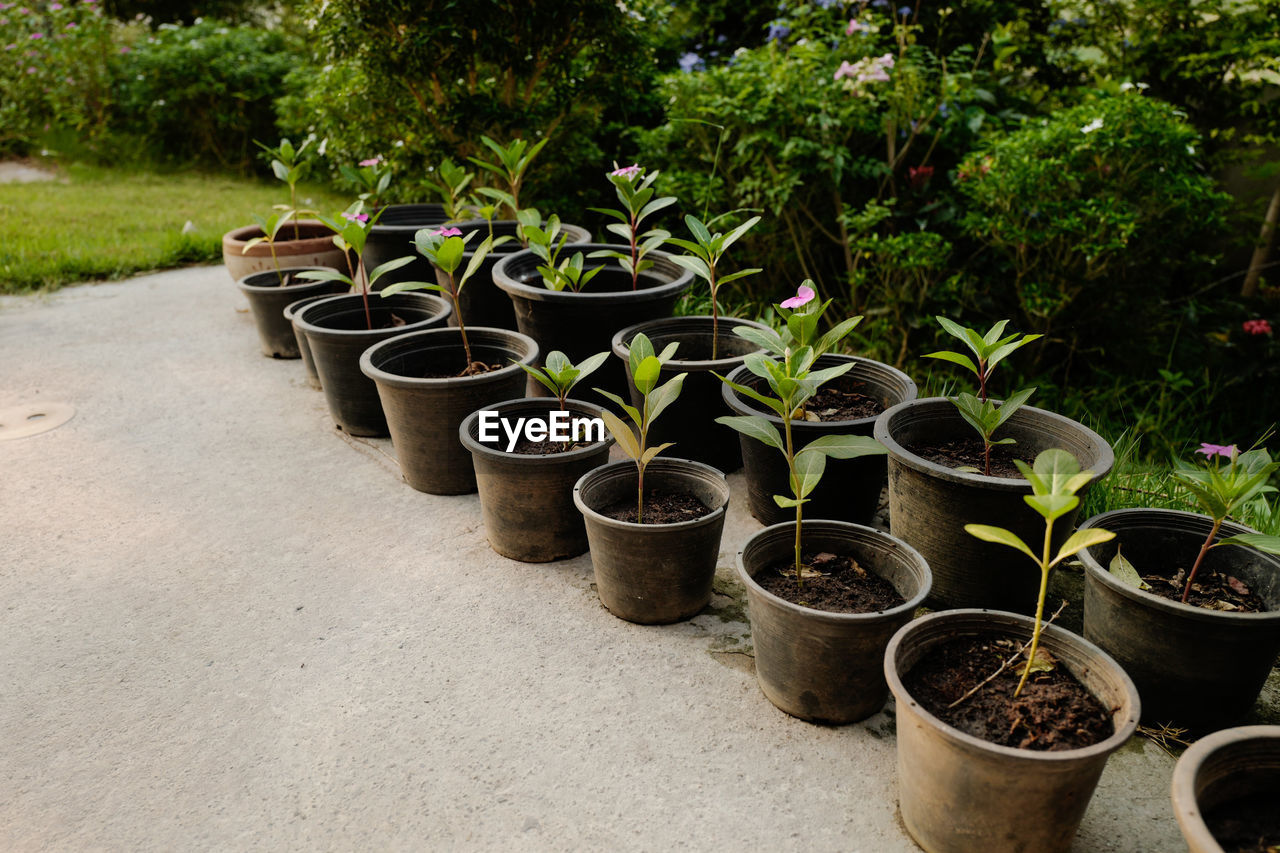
665 396
1011 405
1080 540
1123 570
632 411
732 236
699 231
394 264
754 426
809 465
697 266
788 503
1260 541
622 434
956 358
325 275
402 286
847 446
646 374
1000 536
1052 506
725 279
648 455
765 338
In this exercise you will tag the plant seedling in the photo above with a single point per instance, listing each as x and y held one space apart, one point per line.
646 368
559 375
510 165
1055 478
451 188
988 350
542 242
635 191
270 226
708 250
371 176
290 164
351 230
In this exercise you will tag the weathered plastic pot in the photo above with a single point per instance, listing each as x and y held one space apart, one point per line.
267 301
850 490
583 324
960 794
314 248
424 413
1219 769
653 574
1200 669
929 504
481 302
814 664
391 237
526 500
337 335
300 337
690 422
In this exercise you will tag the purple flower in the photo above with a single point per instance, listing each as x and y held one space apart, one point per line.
125 49
690 62
803 296
845 70
10 46
361 218
777 32
855 26
1211 450
905 11
35 36
372 161
55 7
31 70
447 232
627 171
71 26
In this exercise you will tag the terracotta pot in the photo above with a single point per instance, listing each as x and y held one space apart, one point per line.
527 500
314 249
1229 765
960 794
268 300
814 664
653 574
304 349
392 236
424 413
1200 669
690 421
337 335
929 504
850 491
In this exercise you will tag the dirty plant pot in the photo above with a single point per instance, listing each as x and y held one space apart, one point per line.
690 421
814 664
960 794
583 324
337 335
851 489
314 249
929 504
424 413
653 574
392 237
482 303
268 300
526 500
290 314
1201 669
1226 766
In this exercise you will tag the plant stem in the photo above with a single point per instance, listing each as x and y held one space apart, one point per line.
791 466
462 327
715 313
1044 588
1204 549
986 457
635 273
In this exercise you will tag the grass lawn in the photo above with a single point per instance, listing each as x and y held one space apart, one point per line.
99 223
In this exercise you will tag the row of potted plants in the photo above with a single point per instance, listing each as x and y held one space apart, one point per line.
820 433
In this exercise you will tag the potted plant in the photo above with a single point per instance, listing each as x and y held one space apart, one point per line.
1005 722
653 525
429 381
824 597
1224 790
937 483
1189 604
528 454
392 235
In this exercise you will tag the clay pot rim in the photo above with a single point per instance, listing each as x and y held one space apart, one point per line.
1106 456
480 337
243 283
1123 730
827 616
1182 791
621 343
682 281
661 462
530 459
1141 598
245 233
300 318
743 407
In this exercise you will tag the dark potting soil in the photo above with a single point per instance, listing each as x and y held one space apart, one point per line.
659 508
1054 711
476 368
1211 590
967 453
831 582
546 447
1247 825
836 404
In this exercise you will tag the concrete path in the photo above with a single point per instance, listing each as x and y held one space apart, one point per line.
225 626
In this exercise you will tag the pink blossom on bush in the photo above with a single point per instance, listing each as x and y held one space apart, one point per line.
627 171
372 161
355 217
1257 327
803 295
1211 450
447 232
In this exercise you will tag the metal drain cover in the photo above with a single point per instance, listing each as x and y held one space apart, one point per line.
33 419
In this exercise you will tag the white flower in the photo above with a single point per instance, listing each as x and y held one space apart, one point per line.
1127 86
1191 149
1092 126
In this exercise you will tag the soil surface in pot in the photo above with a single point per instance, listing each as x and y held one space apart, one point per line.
831 582
354 321
659 508
967 453
1212 591
1054 711
547 447
837 404
475 369
1247 825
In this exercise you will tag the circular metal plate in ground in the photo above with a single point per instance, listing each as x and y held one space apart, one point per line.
33 419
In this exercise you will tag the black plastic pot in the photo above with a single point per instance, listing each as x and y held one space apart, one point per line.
300 337
337 334
267 301
424 413
961 794
482 303
850 490
583 324
1221 769
690 422
929 504
527 500
814 664
392 237
1201 669
653 574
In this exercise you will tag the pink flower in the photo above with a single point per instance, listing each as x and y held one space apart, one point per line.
35 36
71 26
10 46
919 176
372 161
1257 327
31 71
124 50
362 218
855 26
447 232
885 61
1211 450
803 296
627 171
845 70
55 7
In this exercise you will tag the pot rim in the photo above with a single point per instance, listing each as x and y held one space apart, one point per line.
1149 600
829 616
244 233
409 207
1123 730
741 407
310 328
1106 456
293 308
243 284
541 294
663 462
529 459
465 225
621 343
1182 790
395 380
